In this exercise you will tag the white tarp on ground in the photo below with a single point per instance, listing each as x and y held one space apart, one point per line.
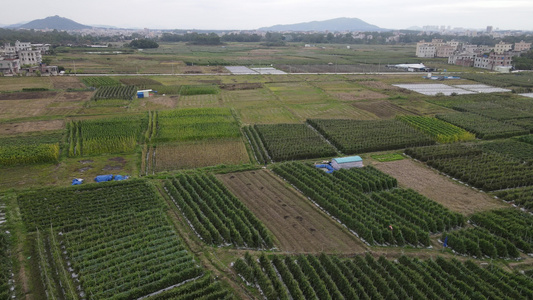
481 88
268 71
240 70
434 89
530 95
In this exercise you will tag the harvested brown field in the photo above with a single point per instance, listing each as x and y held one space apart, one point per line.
296 223
66 82
22 127
430 183
241 86
73 96
27 95
359 95
198 154
380 85
383 109
164 101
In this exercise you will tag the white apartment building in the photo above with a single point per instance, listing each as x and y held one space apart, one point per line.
30 57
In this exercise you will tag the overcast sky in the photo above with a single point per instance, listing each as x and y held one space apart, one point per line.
252 14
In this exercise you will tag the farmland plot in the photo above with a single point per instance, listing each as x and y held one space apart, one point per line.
117 135
115 236
216 215
483 127
296 224
383 109
488 171
457 197
330 277
188 155
367 202
293 141
352 137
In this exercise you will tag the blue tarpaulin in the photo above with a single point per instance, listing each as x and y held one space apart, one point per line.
120 177
77 181
102 178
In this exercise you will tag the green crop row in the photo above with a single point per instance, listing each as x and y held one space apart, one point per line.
377 217
98 82
217 216
484 170
115 92
116 236
293 141
353 137
364 277
483 127
442 131
117 135
196 124
30 154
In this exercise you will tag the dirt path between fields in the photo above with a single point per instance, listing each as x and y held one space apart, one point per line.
296 223
455 196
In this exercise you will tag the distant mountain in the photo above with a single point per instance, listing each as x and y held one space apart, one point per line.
339 24
55 22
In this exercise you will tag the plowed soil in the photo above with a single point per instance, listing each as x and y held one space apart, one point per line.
455 196
297 224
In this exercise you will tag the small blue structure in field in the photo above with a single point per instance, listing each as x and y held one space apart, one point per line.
120 177
77 181
347 162
102 178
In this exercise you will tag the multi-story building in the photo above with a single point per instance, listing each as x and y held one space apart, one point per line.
502 47
30 57
522 46
481 61
22 57
445 50
9 65
436 48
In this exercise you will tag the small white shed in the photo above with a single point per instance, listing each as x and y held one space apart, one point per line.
347 162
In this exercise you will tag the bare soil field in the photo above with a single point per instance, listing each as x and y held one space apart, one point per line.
22 127
297 224
66 82
379 85
428 182
383 109
197 155
27 95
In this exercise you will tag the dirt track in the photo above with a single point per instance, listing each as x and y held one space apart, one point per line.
293 219
428 182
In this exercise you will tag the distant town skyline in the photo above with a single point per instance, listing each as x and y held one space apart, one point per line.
247 15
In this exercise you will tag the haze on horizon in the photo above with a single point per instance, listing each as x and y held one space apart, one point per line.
243 15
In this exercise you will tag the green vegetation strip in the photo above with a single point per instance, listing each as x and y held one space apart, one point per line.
33 149
293 141
484 170
116 236
519 196
216 215
483 127
364 277
353 137
196 124
443 132
100 81
367 202
115 93
99 136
